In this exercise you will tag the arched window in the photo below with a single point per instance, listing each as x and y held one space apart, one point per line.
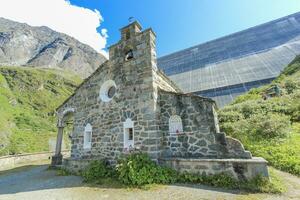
175 125
87 137
128 134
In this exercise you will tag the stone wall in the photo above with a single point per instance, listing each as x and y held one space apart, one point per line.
200 137
9 162
197 139
134 99
242 169
76 165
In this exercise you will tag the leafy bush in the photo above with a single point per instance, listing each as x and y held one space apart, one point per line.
138 169
253 94
261 184
63 172
293 67
259 126
295 107
249 108
217 180
283 155
268 126
280 105
97 170
290 85
230 116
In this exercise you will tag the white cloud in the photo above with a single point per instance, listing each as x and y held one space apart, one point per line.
59 15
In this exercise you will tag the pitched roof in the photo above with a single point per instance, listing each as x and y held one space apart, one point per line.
164 83
84 81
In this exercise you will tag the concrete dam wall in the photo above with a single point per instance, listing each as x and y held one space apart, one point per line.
230 66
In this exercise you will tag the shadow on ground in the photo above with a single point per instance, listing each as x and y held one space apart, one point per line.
32 178
36 181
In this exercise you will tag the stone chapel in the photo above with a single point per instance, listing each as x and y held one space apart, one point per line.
128 104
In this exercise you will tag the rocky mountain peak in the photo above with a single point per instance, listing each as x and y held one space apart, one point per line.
24 45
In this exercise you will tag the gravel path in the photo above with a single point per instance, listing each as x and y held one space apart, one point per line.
36 182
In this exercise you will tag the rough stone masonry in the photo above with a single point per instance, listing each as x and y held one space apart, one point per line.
128 104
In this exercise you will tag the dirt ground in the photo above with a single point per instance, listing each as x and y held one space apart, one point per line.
36 182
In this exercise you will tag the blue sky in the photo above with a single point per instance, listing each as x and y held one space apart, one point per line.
180 24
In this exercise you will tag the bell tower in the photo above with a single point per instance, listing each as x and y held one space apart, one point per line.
130 30
134 60
135 57
135 45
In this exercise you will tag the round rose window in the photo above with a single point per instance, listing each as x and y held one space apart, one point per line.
108 91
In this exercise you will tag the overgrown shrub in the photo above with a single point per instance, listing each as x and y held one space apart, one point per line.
253 94
259 126
138 169
283 155
217 180
293 67
63 172
290 85
268 126
295 106
248 108
97 170
230 116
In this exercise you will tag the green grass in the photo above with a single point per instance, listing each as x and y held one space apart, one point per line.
28 98
283 155
274 186
63 172
269 128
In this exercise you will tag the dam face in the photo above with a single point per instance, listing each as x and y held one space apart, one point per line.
227 67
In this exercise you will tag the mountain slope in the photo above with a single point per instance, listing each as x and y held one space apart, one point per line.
28 98
269 127
24 45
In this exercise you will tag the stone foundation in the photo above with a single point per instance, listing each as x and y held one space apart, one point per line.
76 165
56 160
242 169
13 161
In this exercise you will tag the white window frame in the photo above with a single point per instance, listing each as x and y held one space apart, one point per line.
175 125
128 124
103 94
87 136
